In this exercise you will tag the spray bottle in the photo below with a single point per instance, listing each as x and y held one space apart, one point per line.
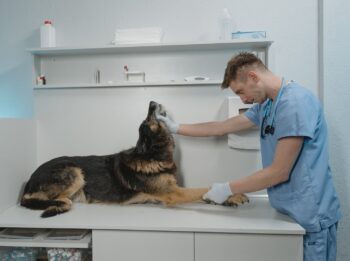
226 25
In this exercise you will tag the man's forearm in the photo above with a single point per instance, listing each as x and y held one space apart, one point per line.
204 129
259 180
215 128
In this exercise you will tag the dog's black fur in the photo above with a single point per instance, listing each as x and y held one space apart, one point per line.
144 173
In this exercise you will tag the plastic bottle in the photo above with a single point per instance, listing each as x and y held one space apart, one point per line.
47 34
226 25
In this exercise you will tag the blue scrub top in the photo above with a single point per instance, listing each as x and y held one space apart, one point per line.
309 195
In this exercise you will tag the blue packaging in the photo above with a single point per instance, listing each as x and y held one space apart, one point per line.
249 35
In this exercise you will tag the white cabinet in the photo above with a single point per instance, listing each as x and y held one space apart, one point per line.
193 232
111 245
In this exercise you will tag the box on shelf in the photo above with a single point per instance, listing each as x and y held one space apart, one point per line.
18 253
249 35
66 254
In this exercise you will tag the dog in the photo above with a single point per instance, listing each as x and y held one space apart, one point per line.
144 173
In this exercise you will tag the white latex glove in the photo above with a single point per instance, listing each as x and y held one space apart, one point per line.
172 125
218 193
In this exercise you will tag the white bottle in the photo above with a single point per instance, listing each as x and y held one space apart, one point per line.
226 25
47 34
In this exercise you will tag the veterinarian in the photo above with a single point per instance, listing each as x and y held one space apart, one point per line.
294 150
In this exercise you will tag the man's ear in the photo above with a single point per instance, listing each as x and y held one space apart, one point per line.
253 75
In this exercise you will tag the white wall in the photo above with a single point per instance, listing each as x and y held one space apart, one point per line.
336 102
17 158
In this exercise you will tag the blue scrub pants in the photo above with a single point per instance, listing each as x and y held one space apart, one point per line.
321 246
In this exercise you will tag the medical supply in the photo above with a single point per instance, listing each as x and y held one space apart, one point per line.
66 254
97 76
18 253
41 80
134 76
138 35
226 25
47 34
250 35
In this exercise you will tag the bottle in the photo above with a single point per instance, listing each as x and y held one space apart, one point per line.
47 34
225 25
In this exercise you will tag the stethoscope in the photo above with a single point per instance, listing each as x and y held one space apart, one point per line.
270 106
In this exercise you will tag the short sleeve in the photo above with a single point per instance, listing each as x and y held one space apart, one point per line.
297 117
253 114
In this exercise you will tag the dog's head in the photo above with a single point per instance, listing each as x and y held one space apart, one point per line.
155 140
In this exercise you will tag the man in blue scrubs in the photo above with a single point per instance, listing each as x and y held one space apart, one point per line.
294 150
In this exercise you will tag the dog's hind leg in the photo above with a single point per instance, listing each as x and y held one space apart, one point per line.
73 186
56 197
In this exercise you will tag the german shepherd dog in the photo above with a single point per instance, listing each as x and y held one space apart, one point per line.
144 173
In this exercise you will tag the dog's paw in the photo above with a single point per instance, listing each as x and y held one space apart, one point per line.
208 201
235 200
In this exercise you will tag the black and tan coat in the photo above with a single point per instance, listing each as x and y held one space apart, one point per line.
144 173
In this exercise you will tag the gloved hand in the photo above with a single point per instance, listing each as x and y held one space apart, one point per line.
218 193
172 125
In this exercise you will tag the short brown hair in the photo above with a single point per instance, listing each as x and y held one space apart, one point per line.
239 63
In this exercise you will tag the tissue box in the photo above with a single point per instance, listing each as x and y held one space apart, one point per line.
18 254
66 254
138 35
252 35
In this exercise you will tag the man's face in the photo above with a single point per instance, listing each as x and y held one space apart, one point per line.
248 90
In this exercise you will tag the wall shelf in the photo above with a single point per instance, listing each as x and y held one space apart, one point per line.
41 241
163 64
165 47
130 84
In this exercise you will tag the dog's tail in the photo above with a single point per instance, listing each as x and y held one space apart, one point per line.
51 207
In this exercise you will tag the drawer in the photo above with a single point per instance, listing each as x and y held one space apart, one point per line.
248 247
121 245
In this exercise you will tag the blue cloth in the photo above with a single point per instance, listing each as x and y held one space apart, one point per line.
309 196
321 246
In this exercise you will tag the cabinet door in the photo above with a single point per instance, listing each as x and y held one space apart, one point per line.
112 245
248 247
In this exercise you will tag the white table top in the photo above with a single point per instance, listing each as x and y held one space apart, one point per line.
255 217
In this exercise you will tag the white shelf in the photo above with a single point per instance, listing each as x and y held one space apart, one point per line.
41 241
129 84
163 47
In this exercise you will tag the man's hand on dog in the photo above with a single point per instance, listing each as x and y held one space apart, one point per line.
172 125
218 193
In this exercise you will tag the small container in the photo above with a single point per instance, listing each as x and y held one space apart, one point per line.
66 254
47 35
133 76
249 35
41 80
226 25
97 76
18 254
